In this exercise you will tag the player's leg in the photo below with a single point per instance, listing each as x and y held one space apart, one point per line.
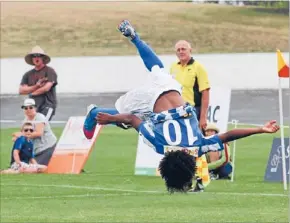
41 168
148 56
34 168
225 171
9 171
202 177
91 122
15 168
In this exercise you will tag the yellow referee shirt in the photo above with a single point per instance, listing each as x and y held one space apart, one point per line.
193 78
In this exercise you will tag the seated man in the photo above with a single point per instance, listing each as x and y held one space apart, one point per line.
219 162
167 124
22 155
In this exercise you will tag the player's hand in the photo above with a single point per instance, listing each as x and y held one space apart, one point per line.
104 118
202 123
271 127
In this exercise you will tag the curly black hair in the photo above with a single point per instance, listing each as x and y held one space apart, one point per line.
177 168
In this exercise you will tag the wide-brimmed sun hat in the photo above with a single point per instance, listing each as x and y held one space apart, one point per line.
211 126
34 52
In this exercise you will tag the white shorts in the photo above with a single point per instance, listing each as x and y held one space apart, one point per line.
15 166
143 99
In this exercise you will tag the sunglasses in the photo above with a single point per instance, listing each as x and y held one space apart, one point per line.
29 107
28 130
36 55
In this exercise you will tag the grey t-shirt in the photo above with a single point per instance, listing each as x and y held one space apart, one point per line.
48 139
47 99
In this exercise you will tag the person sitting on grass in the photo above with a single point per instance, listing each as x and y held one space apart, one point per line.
22 155
44 140
219 162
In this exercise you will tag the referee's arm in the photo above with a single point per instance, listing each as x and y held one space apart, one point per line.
204 88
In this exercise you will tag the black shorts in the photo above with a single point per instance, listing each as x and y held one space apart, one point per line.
47 111
197 112
44 156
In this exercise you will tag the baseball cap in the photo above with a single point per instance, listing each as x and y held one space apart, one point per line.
28 102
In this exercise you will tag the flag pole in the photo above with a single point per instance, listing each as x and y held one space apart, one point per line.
289 108
282 136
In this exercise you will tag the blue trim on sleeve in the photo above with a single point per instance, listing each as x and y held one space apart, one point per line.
209 144
146 134
139 126
217 139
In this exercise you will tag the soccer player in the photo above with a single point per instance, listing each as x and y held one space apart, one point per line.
167 124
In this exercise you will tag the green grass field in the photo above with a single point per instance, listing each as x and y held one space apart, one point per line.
110 192
89 28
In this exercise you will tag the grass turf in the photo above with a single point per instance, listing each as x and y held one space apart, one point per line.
110 192
89 28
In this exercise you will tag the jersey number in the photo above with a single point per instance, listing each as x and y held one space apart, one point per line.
190 137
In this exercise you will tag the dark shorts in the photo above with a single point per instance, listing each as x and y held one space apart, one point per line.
197 112
224 171
44 157
47 111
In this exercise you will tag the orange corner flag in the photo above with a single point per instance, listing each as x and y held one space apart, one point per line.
283 68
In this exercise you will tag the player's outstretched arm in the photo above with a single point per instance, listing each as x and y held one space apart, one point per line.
269 127
129 119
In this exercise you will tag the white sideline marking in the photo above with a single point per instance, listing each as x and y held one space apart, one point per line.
64 196
81 187
142 191
38 218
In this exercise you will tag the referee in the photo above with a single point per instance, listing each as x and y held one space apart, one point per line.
195 90
194 80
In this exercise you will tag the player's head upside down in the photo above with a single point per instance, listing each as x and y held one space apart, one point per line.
177 168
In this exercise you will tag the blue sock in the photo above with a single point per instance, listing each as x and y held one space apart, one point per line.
148 56
111 111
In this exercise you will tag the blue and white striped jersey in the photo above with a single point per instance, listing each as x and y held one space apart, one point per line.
178 129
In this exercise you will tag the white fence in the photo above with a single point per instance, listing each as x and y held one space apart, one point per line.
121 73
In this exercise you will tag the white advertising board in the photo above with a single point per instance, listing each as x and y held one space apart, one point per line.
73 137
